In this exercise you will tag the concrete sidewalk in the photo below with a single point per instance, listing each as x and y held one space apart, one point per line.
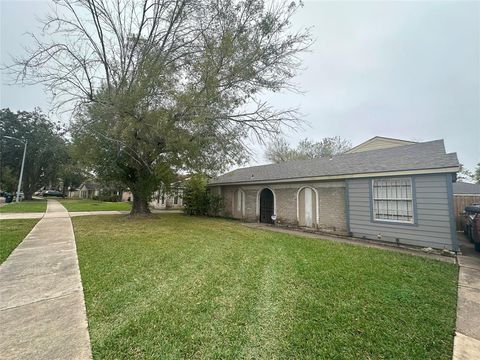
467 336
42 309
15 216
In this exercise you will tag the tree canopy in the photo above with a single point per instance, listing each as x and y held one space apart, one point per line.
159 86
465 175
279 150
46 150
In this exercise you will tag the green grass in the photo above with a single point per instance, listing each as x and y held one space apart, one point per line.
12 232
173 287
25 206
94 205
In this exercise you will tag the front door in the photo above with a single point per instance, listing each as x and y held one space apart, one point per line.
266 206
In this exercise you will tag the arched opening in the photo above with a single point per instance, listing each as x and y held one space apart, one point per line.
307 207
267 206
239 204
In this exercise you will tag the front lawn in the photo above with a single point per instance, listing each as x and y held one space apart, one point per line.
12 232
25 206
182 287
94 205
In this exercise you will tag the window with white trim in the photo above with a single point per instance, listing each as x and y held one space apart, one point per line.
392 199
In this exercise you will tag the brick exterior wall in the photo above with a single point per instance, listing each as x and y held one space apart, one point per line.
332 208
331 197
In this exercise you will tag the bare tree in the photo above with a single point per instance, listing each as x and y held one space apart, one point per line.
279 150
158 84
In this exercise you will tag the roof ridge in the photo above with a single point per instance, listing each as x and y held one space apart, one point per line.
423 155
342 155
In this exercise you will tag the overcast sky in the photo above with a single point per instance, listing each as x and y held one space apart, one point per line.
407 70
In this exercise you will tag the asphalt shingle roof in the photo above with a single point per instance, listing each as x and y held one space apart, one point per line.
418 156
90 186
466 188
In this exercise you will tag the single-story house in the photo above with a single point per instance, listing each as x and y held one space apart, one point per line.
464 194
171 198
126 195
88 190
466 189
383 189
162 199
73 193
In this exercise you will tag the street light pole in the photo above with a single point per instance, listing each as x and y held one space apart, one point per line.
21 171
23 164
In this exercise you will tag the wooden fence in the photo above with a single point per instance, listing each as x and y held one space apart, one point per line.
459 203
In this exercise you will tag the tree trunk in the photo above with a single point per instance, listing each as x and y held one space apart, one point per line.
27 190
27 195
139 204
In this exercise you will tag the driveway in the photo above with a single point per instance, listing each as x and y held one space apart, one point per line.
467 335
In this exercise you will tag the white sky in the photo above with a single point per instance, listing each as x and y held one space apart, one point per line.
407 70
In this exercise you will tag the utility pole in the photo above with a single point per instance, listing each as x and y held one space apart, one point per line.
23 164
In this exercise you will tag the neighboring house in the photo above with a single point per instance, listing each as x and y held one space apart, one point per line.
126 196
383 189
88 190
464 194
169 199
73 193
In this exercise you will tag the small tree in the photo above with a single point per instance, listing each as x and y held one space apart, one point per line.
215 204
477 173
197 199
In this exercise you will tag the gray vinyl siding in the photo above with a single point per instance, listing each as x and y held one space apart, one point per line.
432 214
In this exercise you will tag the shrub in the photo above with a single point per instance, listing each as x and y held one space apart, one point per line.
215 204
106 197
109 197
197 200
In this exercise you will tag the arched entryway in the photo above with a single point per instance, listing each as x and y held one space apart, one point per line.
267 206
307 207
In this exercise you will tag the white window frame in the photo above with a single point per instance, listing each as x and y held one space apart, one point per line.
393 198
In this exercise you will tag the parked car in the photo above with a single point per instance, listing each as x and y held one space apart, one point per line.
472 224
6 197
53 193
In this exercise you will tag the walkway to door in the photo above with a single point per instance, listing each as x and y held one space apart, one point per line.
42 310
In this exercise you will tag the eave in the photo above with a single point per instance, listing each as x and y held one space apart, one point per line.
446 170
